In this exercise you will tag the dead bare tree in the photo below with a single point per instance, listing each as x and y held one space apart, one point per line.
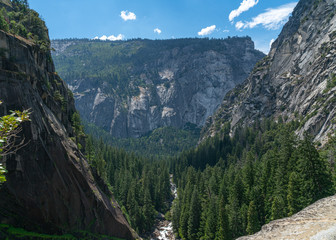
13 142
10 139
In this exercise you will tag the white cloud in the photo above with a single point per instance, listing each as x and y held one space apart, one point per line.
272 19
271 42
103 38
158 31
116 38
110 38
207 30
126 15
96 38
226 31
244 6
239 25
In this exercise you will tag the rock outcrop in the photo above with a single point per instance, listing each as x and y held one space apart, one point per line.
315 222
169 82
50 187
296 80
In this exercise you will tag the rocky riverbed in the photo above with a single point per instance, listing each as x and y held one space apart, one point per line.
163 227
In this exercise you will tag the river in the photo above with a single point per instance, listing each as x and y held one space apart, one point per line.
163 227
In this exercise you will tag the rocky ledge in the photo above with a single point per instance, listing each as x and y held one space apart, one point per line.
316 222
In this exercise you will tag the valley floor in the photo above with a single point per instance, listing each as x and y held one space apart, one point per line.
163 227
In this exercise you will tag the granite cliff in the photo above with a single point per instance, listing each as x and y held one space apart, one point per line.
296 80
50 187
130 88
315 222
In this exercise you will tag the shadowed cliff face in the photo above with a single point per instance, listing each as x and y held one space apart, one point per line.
296 80
50 187
169 82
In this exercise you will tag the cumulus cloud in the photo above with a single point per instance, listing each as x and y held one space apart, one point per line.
271 42
158 31
226 31
244 6
239 25
103 38
207 30
116 38
126 15
271 19
110 38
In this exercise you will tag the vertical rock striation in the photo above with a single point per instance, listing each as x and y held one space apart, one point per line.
296 80
50 187
169 82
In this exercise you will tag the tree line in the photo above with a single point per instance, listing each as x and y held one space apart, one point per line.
20 20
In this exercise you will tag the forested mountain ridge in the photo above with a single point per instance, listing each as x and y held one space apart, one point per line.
50 186
296 80
129 88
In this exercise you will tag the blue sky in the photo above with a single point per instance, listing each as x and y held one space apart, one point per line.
165 19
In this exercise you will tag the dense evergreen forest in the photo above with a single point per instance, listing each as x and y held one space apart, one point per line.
227 186
141 186
161 142
231 186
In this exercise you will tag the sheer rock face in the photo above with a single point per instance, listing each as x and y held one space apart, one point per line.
292 81
50 187
184 82
316 222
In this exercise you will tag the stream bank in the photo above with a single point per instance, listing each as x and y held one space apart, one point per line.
163 227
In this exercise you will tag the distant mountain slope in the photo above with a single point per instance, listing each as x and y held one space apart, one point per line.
130 88
297 80
316 222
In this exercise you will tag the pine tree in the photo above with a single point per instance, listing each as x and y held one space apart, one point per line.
278 207
317 180
100 165
223 230
148 210
211 222
253 224
243 216
89 149
194 215
184 218
183 226
294 197
248 170
238 190
176 211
